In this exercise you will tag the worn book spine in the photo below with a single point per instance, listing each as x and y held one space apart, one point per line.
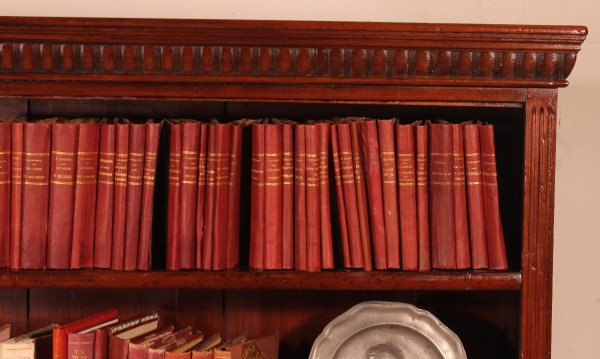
287 197
441 192
80 346
387 155
463 254
326 237
257 196
361 195
173 219
150 155
202 355
339 193
189 195
201 193
63 167
172 355
221 219
479 254
407 196
273 196
86 181
105 197
421 138
313 206
16 187
5 143
493 223
118 348
36 181
101 343
300 198
138 351
235 170
120 195
209 202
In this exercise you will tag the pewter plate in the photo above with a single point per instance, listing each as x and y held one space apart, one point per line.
386 330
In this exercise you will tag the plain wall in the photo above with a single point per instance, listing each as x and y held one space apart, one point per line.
576 302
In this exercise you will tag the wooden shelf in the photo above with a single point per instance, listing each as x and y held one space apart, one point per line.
237 279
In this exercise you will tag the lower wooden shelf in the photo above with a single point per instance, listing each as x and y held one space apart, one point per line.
239 279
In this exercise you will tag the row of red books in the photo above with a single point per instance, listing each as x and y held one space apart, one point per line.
77 193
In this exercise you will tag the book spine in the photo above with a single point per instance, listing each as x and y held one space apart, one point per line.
118 348
80 345
287 174
313 205
202 355
101 344
387 155
120 195
173 218
36 180
138 351
150 155
326 239
105 197
493 224
443 239
369 142
273 196
86 181
172 355
339 193
189 194
361 195
350 200
63 167
407 196
209 202
300 198
422 175
235 170
463 254
202 153
5 143
257 195
59 343
479 255
221 221
16 187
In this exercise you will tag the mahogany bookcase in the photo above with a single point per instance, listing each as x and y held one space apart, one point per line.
505 75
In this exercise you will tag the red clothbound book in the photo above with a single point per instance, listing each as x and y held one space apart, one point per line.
235 169
221 218
201 193
150 155
5 143
387 155
16 186
287 174
479 254
80 345
493 223
407 196
441 196
361 195
105 199
463 254
36 181
86 181
339 193
189 194
300 198
101 343
350 200
369 141
422 176
63 168
120 194
209 201
173 219
257 196
59 333
326 239
273 196
313 205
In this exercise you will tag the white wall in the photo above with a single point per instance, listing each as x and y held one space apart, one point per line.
576 314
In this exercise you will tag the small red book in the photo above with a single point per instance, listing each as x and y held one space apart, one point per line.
422 174
209 201
257 196
235 169
101 343
287 197
105 197
174 196
189 194
273 196
202 154
59 333
5 143
326 239
463 254
120 195
80 345
339 192
16 186
300 198
407 196
313 205
221 217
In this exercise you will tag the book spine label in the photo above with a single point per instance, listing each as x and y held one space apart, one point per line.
101 344
493 224
287 174
221 221
235 170
5 143
339 193
173 218
80 346
273 196
443 240
407 195
202 154
479 255
361 195
300 198
36 181
313 205
120 195
117 348
209 202
86 181
16 187
463 254
150 156
105 197
387 155
257 195
422 175
326 239
63 167
189 195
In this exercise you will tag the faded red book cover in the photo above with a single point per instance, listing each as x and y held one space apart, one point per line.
257 196
479 254
235 169
189 194
407 196
16 187
101 343
300 198
221 219
36 191
201 192
287 174
120 195
313 206
326 240
350 200
80 345
387 155
422 176
361 195
463 254
5 143
105 197
63 168
339 193
174 196
441 196
152 138
273 196
209 202
117 348
493 223
86 181
59 333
